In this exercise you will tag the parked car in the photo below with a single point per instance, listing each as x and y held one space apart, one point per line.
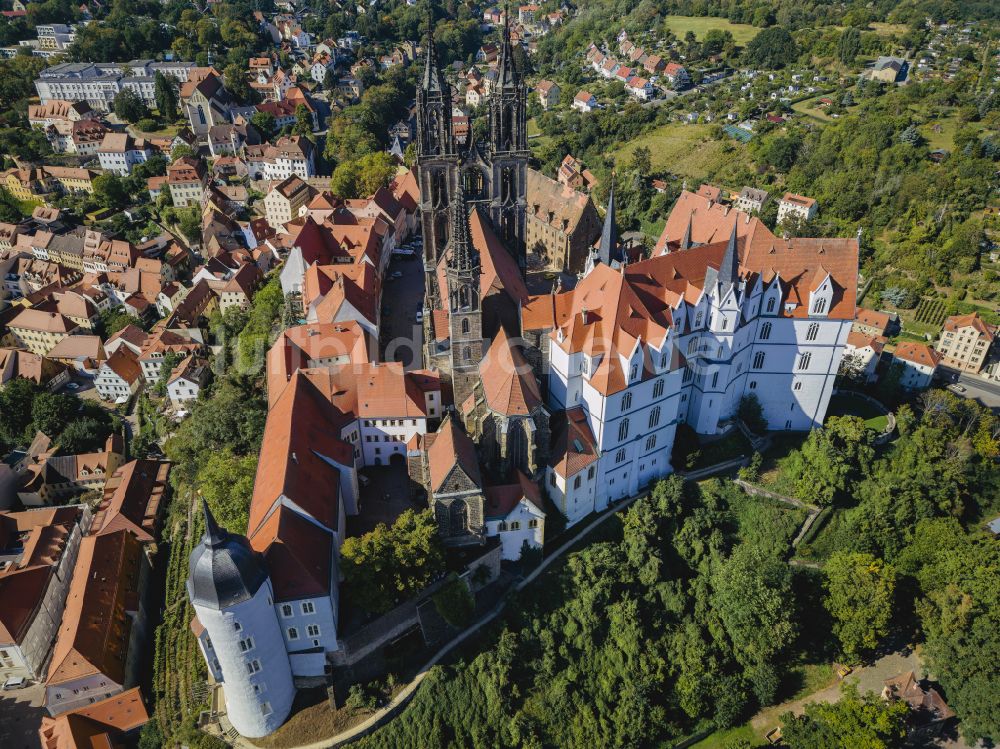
397 274
15 682
420 315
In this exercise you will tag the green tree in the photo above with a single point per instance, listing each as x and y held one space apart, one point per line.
362 177
849 45
454 602
303 121
16 399
83 435
165 92
109 189
113 320
264 122
851 722
389 564
237 84
751 595
771 49
860 598
830 459
51 412
641 160
226 481
129 107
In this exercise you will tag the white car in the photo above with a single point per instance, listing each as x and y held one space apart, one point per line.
420 315
15 682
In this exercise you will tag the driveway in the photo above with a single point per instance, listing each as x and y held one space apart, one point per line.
987 392
21 714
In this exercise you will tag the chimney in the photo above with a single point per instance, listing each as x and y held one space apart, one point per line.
583 315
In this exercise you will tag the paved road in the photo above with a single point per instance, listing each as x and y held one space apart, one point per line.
402 336
986 392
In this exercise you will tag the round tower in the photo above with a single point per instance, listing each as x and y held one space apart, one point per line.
231 593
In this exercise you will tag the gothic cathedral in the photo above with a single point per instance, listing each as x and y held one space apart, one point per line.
455 179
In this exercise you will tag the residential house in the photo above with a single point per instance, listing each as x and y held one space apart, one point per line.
873 323
113 721
751 200
573 174
38 550
965 342
285 199
676 75
119 377
918 363
41 370
548 94
803 208
862 353
119 152
40 331
187 380
584 101
186 179
99 644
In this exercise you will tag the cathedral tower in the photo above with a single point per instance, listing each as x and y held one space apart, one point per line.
508 151
437 163
465 316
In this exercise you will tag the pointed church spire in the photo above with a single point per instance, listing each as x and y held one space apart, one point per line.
432 74
609 235
213 534
729 268
462 251
506 72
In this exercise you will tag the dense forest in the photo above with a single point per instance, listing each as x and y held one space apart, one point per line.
685 612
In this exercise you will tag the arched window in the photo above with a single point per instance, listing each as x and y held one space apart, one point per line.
663 361
502 526
820 307
465 325
577 482
623 430
812 332
620 456
473 183
651 442
692 345
590 472
765 331
697 320
626 402
467 354
658 389
633 373
804 360
758 360
515 525
771 303
654 417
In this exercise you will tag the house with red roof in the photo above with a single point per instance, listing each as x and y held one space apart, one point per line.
918 364
39 550
965 342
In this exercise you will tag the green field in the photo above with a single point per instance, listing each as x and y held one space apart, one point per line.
680 25
685 150
810 108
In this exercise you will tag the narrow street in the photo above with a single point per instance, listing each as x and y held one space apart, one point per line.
402 334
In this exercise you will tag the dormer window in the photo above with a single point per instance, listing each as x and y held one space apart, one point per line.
633 373
771 304
697 320
819 307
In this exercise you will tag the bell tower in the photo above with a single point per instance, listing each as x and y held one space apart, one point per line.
437 163
508 150
465 317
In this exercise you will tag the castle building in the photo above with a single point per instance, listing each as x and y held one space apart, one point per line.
633 352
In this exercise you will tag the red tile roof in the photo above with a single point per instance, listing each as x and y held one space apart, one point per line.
917 353
509 383
95 726
502 500
957 322
574 446
451 448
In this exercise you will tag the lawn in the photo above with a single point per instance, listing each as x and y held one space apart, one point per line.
845 404
685 150
940 132
680 25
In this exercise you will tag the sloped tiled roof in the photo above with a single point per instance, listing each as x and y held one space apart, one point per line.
509 383
451 447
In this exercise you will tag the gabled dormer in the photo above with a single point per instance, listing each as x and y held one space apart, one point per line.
771 304
821 293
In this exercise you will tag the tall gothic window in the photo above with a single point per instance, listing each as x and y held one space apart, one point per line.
473 183
813 331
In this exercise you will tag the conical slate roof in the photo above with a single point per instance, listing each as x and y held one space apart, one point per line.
223 570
